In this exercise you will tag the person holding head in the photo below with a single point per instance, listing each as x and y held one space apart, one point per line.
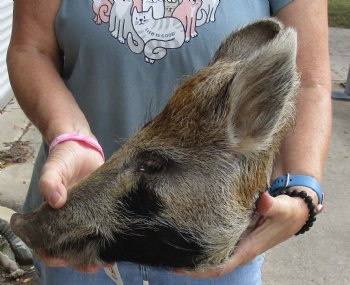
87 68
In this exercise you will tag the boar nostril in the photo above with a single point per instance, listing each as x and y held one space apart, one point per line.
16 221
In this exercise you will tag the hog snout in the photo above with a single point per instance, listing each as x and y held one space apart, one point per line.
25 227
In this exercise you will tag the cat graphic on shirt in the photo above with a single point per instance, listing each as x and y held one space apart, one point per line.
138 5
120 25
157 7
170 6
152 27
206 13
102 10
158 34
186 12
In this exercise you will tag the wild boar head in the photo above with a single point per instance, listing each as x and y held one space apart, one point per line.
182 190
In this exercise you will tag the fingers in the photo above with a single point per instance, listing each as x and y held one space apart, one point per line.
282 218
264 203
52 188
214 272
66 165
50 261
87 268
278 220
59 262
246 250
269 206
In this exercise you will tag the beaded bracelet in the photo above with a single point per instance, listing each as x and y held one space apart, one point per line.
310 205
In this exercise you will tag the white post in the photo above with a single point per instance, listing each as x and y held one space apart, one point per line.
6 7
347 85
336 94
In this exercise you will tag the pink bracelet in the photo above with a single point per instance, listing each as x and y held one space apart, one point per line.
77 137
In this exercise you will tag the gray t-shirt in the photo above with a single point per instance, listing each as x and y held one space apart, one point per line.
122 60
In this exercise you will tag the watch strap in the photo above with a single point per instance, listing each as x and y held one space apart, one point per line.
290 180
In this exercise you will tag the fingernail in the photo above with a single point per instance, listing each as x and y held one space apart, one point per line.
55 198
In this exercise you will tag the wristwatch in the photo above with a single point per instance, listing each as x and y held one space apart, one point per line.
290 180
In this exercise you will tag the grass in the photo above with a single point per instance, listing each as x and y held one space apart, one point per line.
339 13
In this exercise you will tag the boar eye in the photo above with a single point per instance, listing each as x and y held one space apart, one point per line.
152 162
152 166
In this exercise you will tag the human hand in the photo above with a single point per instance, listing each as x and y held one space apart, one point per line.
277 220
67 164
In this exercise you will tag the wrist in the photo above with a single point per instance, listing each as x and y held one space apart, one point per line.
87 141
309 192
304 188
307 208
62 125
309 183
51 134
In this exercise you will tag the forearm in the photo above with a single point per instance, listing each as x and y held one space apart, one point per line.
42 93
34 64
304 149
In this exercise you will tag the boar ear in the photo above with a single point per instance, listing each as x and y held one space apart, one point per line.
242 43
261 94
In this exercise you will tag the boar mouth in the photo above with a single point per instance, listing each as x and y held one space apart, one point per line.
156 246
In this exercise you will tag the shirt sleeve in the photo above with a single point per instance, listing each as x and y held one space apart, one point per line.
276 5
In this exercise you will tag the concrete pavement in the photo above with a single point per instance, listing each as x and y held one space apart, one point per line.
14 179
321 256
